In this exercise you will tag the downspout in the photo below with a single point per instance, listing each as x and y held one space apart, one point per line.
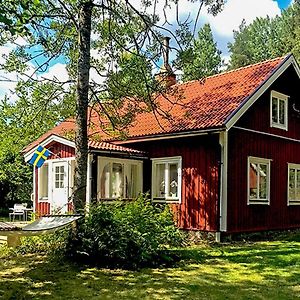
223 141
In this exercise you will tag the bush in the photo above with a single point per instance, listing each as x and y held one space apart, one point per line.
130 235
51 243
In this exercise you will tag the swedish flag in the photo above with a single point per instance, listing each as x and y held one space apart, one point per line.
39 156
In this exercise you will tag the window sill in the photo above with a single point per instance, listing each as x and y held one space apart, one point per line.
293 202
43 199
115 199
258 202
279 126
164 200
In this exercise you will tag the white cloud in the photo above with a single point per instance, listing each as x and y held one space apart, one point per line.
236 10
57 72
225 22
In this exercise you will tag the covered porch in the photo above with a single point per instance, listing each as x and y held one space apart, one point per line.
113 172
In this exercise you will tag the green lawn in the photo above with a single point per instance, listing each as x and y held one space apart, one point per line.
262 270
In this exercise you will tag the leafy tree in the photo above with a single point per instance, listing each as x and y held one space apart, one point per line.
202 58
21 122
63 29
266 38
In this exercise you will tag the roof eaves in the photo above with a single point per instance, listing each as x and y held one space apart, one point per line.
170 135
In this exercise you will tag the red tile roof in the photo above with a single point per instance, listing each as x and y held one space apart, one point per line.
111 147
195 105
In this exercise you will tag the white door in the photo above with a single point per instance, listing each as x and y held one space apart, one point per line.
60 188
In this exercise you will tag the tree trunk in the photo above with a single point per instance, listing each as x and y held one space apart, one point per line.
81 138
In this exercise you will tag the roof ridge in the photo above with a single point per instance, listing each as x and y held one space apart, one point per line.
234 70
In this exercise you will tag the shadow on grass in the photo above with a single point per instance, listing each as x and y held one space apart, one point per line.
267 270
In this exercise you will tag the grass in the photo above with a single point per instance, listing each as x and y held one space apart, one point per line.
260 270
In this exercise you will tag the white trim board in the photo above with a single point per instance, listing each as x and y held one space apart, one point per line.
249 101
223 141
51 138
167 136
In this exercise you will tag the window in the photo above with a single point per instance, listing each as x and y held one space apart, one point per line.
293 184
43 182
279 110
59 177
166 179
258 180
119 178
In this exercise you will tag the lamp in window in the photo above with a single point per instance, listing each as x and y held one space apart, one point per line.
173 190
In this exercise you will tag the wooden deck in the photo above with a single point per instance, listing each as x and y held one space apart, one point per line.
9 226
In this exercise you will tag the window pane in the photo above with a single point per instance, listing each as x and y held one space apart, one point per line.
292 184
43 182
117 180
131 182
263 169
160 181
281 112
104 182
274 110
253 181
173 180
298 185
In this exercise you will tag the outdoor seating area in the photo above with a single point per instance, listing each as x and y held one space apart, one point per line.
20 212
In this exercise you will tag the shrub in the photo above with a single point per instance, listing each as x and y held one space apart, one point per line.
131 234
51 243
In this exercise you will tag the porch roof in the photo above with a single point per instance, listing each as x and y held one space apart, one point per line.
105 146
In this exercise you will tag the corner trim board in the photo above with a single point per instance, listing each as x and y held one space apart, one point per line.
223 141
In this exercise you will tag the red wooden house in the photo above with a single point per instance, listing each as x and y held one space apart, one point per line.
227 159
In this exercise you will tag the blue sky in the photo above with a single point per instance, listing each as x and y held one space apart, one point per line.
283 3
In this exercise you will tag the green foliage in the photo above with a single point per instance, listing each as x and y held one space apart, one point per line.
124 234
266 38
21 122
202 58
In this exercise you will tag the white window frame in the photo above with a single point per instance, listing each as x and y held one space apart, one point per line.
167 161
125 162
283 97
258 160
292 201
43 181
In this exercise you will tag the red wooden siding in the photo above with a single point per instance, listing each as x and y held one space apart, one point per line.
277 215
63 151
198 209
43 208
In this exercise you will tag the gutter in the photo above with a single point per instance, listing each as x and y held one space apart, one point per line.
158 137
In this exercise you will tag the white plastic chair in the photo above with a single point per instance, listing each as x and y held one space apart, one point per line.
18 210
